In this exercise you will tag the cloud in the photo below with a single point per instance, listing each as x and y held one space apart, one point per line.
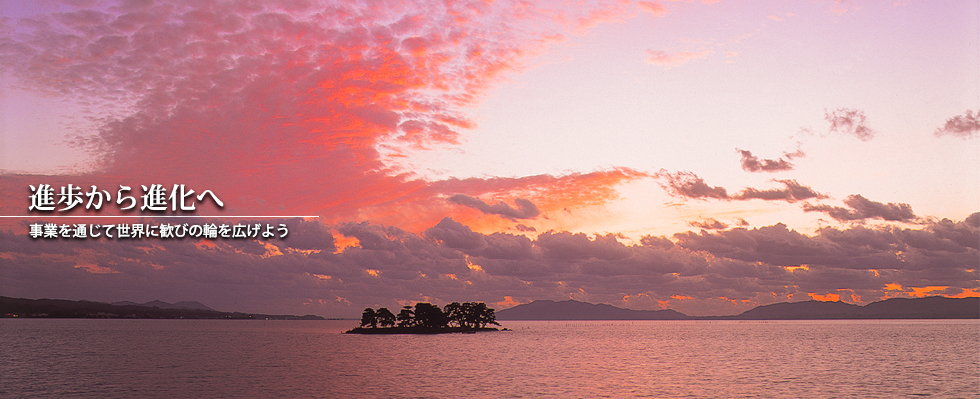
940 248
603 13
862 208
525 209
451 262
841 7
656 9
690 185
792 192
455 235
751 163
281 109
966 126
709 224
850 121
674 59
523 228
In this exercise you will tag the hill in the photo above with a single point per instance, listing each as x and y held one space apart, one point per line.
894 308
934 307
189 305
65 309
575 310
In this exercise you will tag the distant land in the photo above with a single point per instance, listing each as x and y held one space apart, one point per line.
65 309
575 310
189 305
895 308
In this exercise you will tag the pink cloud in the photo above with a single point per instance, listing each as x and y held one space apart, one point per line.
965 126
281 109
607 13
752 163
656 9
850 121
674 59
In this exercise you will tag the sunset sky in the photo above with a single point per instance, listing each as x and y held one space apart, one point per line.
704 156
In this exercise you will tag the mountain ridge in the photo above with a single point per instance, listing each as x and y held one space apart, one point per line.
68 309
934 307
188 305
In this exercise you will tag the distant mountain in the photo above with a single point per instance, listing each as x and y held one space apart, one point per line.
895 308
803 310
190 305
65 309
934 307
575 310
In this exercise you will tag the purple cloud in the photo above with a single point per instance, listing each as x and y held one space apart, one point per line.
525 209
450 262
690 185
792 192
860 208
850 121
751 163
709 224
966 126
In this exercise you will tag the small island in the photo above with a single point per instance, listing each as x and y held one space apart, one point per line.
468 317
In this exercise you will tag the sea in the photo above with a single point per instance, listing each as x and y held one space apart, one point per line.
86 358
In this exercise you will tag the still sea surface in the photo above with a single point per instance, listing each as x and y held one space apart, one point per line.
79 358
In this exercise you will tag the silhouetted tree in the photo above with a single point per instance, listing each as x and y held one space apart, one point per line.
477 315
465 315
429 315
484 316
385 317
369 318
406 317
454 314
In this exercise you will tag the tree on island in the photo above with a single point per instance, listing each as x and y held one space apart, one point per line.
429 315
464 316
406 318
385 317
369 318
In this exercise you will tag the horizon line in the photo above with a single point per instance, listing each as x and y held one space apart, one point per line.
160 216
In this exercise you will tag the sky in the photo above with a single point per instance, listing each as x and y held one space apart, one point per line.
703 156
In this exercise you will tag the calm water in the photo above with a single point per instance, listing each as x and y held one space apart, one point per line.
299 359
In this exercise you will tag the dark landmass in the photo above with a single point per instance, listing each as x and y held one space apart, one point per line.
934 307
575 310
419 330
426 318
896 308
65 309
191 305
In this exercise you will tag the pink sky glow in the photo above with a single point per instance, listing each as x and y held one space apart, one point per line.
707 156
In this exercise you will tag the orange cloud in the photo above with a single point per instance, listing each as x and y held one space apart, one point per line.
341 242
829 297
508 302
919 292
96 269
966 293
